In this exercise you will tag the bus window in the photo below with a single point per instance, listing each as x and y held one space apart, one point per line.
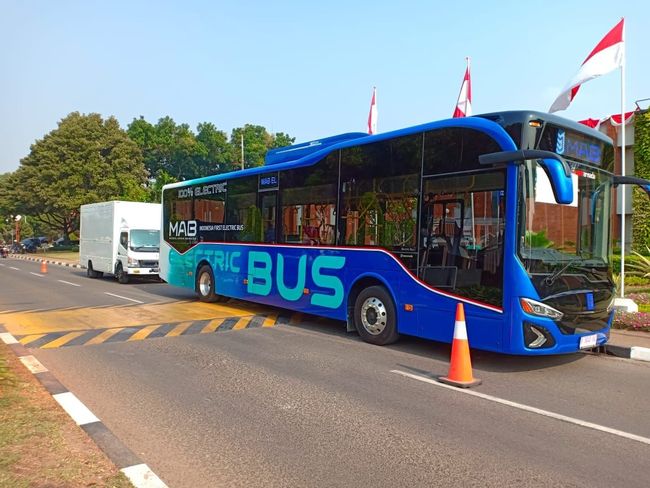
242 213
308 200
455 149
379 187
462 235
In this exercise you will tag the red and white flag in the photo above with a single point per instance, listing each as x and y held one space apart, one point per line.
606 56
372 116
464 104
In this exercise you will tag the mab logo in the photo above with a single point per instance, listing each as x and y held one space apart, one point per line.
559 146
183 228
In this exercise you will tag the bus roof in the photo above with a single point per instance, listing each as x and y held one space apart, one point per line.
309 153
505 119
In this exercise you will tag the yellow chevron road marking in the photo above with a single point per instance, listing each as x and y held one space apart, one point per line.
63 340
242 323
104 336
270 320
31 338
42 322
178 329
143 333
212 326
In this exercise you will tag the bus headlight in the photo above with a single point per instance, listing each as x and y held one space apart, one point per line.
540 309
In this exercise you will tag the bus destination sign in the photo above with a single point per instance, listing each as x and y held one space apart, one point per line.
577 146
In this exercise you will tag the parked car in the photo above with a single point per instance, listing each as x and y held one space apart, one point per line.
32 244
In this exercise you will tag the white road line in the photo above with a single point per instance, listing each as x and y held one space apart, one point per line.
37 274
68 283
142 477
33 364
7 338
77 410
2 265
527 408
123 298
6 311
12 267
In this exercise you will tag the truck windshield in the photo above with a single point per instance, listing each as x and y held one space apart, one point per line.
557 240
145 240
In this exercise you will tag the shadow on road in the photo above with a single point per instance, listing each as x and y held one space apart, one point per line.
481 360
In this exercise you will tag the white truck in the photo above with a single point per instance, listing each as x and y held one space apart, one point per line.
120 238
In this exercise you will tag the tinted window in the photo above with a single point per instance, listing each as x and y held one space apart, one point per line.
308 199
179 229
455 149
243 218
379 187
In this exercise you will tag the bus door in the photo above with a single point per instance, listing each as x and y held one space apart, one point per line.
462 224
268 204
440 246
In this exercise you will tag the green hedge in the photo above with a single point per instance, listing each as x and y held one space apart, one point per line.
640 201
629 258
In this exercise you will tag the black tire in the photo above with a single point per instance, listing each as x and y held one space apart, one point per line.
121 275
375 317
205 286
91 273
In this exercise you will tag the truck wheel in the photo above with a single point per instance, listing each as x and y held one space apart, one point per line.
375 317
205 285
122 276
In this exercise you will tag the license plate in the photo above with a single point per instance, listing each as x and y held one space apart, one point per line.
588 341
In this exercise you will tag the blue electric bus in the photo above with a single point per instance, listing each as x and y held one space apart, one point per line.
509 213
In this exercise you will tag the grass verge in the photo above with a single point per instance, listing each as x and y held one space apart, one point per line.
63 255
39 444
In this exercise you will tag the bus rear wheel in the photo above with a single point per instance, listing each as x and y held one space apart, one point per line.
375 317
205 285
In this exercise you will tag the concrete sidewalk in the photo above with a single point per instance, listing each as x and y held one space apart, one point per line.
629 344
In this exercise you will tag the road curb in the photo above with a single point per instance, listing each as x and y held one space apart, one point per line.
47 260
627 352
126 460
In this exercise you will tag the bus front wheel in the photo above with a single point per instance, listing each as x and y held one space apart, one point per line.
375 317
205 285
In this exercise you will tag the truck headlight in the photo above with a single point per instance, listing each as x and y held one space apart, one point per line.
540 309
133 263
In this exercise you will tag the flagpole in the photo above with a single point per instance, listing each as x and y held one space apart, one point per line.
467 97
622 187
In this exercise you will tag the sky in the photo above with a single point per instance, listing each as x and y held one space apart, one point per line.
300 67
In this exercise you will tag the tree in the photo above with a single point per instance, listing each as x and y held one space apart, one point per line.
84 160
281 139
257 141
216 155
168 146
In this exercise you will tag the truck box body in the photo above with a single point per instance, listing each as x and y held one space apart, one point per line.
101 227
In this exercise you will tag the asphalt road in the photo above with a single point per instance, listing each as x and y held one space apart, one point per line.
309 405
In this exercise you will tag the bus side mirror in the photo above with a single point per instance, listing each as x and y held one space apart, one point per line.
561 182
633 180
556 168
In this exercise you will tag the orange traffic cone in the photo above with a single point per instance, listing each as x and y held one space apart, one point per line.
460 369
43 266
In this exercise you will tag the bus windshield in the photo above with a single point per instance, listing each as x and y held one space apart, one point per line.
561 239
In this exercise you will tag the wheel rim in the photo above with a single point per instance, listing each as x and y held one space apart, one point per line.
205 284
374 316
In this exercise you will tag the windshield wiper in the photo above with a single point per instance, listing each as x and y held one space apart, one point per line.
551 279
